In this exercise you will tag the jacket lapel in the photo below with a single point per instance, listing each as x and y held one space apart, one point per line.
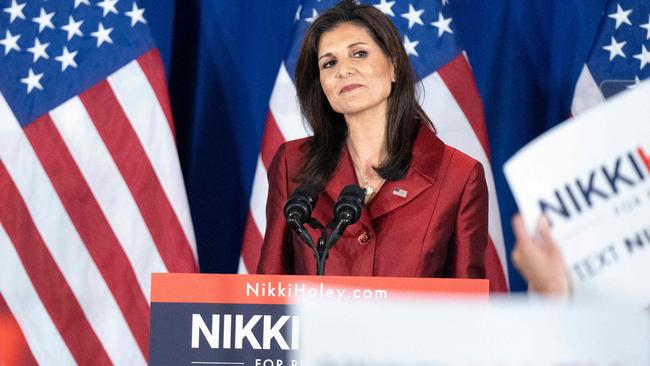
427 155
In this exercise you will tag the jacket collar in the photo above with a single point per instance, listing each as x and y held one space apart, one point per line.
427 156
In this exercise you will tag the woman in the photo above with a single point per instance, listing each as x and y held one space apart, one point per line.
426 203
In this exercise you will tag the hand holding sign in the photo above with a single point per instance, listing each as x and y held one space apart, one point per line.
539 259
590 177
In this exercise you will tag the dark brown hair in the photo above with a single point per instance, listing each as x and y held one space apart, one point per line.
404 114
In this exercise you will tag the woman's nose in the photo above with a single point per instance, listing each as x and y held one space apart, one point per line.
345 70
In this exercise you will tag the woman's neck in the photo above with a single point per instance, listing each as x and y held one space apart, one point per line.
367 139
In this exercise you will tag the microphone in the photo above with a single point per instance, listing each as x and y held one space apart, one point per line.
298 210
347 210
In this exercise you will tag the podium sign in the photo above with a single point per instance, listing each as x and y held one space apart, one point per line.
220 319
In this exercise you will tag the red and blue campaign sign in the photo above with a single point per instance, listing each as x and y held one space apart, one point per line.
248 320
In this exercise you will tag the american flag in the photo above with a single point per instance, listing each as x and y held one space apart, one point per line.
620 57
91 195
449 97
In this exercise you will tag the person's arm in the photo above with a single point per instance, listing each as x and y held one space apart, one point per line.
276 256
539 259
471 234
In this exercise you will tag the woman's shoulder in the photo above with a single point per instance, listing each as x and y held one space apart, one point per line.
289 155
291 150
461 160
297 146
434 157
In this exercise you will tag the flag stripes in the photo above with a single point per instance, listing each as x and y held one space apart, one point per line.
95 204
140 105
449 117
120 139
154 70
109 189
90 223
457 77
53 225
271 140
284 107
49 282
587 93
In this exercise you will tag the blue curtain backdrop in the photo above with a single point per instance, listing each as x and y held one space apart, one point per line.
222 57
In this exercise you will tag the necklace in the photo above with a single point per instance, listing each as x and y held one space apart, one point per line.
367 187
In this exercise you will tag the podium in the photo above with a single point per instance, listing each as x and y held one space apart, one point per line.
227 319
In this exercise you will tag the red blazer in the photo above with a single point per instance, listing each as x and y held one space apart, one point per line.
440 229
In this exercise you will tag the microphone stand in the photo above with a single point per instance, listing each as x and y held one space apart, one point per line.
325 241
346 211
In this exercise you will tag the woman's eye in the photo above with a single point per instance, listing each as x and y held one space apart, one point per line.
361 53
329 64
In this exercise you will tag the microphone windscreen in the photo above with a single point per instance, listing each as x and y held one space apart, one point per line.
309 190
355 192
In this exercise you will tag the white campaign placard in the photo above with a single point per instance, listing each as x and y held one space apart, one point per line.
591 177
503 332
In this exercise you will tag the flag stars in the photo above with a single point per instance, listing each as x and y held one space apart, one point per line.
136 14
443 25
73 28
10 42
102 34
386 7
314 15
636 83
15 11
67 59
621 16
38 50
297 17
615 49
44 20
79 2
413 16
646 26
108 6
643 57
32 81
409 46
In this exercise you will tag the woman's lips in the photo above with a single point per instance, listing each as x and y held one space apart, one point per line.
349 88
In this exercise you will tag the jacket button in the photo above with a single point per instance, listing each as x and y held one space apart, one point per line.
364 238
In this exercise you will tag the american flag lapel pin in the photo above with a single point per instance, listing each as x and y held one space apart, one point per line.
400 192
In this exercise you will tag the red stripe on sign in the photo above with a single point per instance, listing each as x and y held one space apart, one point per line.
271 140
127 152
49 282
154 70
494 270
14 349
459 79
92 226
252 244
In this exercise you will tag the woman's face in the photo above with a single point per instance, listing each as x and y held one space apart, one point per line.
355 74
